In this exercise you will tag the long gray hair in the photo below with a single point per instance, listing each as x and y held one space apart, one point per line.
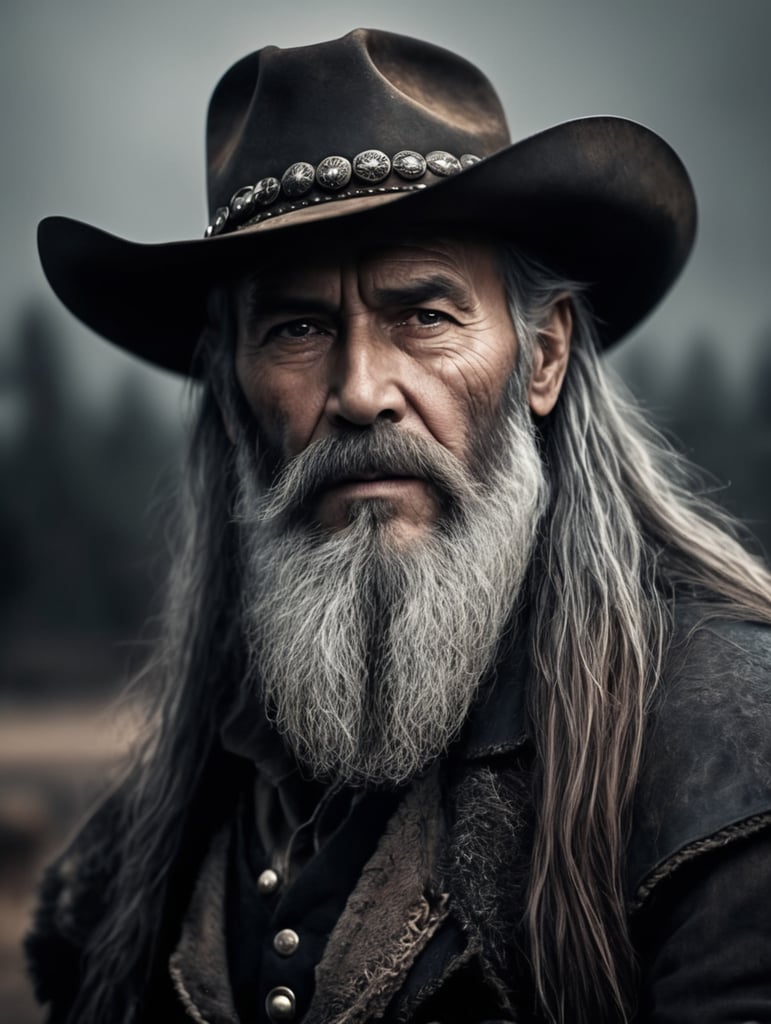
626 533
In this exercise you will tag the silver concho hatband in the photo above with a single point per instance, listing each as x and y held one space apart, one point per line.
250 204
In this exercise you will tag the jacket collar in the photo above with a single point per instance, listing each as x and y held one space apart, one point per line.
499 722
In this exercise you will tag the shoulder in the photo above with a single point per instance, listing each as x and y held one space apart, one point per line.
706 773
79 887
71 900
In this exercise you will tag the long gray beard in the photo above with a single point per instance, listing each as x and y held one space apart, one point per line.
368 653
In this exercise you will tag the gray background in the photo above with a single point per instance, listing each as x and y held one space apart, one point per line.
102 118
103 114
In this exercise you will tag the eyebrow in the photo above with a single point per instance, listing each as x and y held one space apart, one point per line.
262 300
426 289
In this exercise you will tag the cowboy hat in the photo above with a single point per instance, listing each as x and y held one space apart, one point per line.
374 134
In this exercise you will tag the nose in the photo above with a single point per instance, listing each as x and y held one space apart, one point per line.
366 383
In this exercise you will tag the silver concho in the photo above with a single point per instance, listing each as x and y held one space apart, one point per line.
220 220
442 163
297 179
333 172
371 165
241 202
409 164
266 190
468 160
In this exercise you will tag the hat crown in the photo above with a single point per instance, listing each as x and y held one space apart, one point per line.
367 90
376 135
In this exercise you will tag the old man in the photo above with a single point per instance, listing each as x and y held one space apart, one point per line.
465 703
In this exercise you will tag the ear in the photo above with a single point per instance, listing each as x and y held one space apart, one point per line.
550 359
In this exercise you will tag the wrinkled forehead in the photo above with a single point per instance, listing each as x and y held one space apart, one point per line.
463 263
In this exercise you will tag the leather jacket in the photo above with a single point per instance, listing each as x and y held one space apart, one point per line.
428 933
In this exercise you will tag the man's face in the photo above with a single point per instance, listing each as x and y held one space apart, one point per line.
386 409
416 335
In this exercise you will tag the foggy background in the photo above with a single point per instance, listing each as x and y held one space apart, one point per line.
102 119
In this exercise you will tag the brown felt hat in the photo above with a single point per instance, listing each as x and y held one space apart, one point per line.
372 135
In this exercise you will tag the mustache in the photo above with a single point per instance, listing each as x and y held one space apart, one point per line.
376 452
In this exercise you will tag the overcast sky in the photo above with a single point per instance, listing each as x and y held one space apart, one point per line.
103 109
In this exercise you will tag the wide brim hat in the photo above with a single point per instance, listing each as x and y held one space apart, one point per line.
376 136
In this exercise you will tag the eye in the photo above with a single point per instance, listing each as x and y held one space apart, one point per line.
295 330
425 318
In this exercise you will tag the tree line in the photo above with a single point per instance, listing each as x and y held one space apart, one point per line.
85 496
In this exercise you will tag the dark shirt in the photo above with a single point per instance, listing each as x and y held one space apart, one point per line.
309 904
316 839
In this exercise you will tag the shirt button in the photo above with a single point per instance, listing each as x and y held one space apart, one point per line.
267 882
286 942
280 1003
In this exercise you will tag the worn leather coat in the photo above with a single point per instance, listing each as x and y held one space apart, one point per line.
430 932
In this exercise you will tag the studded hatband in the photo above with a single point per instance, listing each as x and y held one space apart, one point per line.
332 176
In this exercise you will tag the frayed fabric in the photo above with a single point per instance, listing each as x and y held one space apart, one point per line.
394 911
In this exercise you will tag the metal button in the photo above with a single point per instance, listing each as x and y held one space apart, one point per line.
371 165
280 1003
286 942
267 882
241 202
333 172
221 215
266 191
443 163
297 179
409 164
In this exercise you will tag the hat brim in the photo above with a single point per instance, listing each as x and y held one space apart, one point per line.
603 200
